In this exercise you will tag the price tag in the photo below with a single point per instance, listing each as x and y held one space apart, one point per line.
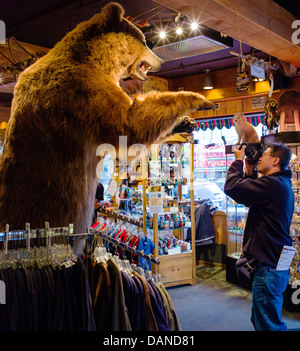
174 251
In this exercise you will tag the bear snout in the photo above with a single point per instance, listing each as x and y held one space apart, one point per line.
152 60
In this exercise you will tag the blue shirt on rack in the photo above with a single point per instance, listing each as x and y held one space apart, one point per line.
147 246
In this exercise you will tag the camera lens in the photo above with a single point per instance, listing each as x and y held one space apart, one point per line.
253 154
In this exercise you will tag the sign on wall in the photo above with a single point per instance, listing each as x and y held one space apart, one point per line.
155 83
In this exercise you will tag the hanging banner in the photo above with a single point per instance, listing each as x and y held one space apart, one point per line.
227 122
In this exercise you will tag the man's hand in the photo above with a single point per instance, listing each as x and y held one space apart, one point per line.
240 154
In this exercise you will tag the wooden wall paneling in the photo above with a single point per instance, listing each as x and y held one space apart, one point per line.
4 113
234 106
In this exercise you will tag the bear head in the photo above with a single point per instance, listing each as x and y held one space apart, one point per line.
109 35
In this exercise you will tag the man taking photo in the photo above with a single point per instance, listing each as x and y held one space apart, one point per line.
270 199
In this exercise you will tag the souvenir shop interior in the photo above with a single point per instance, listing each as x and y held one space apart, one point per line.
164 238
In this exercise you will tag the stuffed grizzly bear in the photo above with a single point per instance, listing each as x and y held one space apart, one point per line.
67 104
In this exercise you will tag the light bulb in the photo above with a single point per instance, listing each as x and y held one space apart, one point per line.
179 31
194 25
208 81
162 34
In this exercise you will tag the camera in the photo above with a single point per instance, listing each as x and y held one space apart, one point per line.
253 152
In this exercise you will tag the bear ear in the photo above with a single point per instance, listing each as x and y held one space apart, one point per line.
112 13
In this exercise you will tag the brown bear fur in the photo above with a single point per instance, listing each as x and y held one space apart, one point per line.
68 103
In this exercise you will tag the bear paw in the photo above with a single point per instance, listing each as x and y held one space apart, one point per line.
207 105
186 125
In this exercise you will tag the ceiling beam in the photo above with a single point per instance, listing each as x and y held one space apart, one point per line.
262 24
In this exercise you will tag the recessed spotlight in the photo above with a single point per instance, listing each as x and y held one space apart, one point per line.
179 31
194 25
162 34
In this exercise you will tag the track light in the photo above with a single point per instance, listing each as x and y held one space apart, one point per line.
179 18
208 84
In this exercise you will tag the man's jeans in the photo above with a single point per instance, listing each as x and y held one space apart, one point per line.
267 289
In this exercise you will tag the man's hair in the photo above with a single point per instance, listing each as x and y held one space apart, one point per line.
283 152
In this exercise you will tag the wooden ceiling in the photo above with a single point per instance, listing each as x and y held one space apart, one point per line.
262 24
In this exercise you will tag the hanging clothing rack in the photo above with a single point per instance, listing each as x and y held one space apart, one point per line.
116 242
30 238
120 217
40 249
25 237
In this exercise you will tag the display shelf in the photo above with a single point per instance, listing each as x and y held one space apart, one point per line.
293 141
179 268
169 229
236 216
176 269
290 138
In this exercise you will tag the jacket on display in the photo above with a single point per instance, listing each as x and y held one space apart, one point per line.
47 299
128 302
204 231
271 204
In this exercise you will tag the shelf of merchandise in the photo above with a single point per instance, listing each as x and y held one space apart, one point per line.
178 269
292 139
236 215
175 269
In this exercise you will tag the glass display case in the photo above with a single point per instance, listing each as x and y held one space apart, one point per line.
236 215
168 226
295 225
292 139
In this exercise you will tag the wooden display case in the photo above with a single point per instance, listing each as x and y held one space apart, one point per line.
178 269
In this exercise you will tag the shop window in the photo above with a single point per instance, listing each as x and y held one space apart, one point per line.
211 162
